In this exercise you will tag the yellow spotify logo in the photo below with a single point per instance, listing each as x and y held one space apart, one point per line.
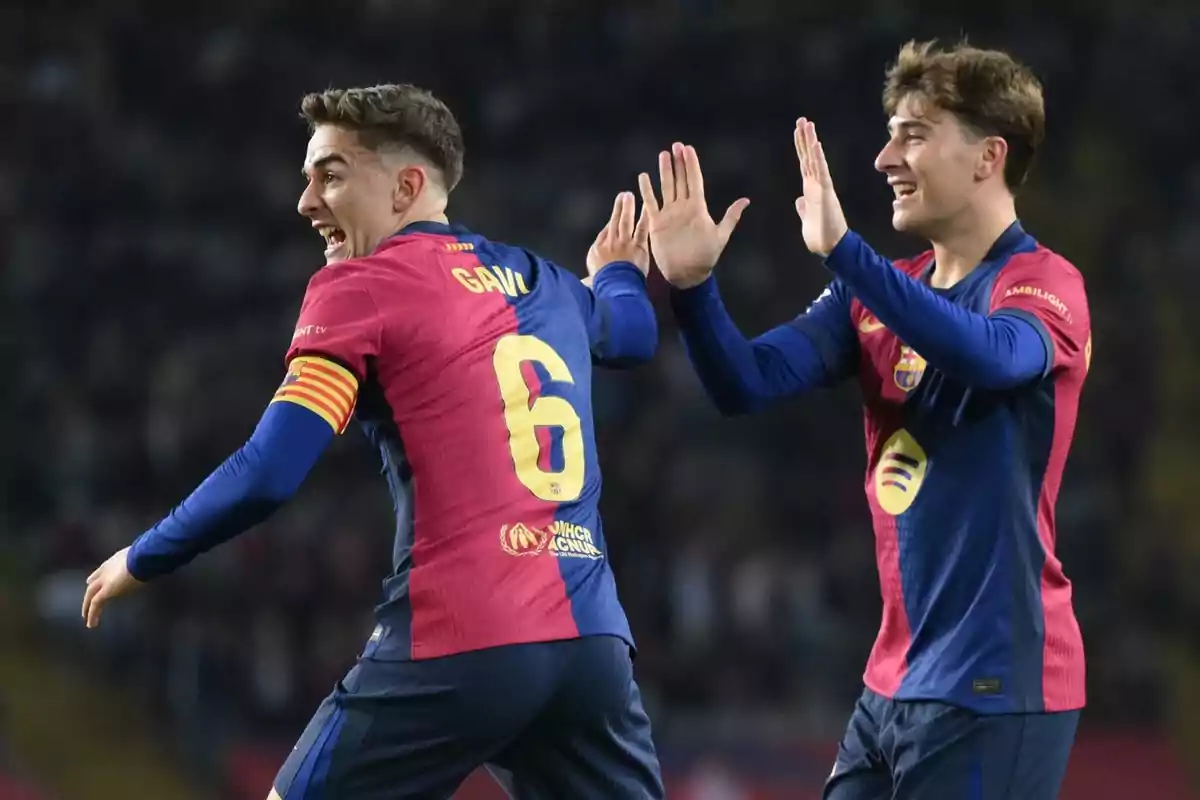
900 473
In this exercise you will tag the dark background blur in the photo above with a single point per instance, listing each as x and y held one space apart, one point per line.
154 268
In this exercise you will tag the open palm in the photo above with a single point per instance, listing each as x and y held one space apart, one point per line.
684 239
821 216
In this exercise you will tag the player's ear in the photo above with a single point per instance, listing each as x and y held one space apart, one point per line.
410 182
992 153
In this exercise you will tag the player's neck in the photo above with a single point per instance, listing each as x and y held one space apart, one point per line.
967 240
426 209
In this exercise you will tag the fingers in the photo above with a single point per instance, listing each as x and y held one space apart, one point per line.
93 599
649 201
93 617
732 216
817 154
680 178
810 153
666 177
811 146
801 143
679 167
641 233
624 225
618 205
691 168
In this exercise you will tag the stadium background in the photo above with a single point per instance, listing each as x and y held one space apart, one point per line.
154 266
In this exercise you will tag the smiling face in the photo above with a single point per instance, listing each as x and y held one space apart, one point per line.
936 166
964 127
353 194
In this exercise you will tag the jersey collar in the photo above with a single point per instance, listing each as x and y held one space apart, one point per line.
427 226
1013 240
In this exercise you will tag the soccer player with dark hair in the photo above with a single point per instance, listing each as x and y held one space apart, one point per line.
468 363
971 358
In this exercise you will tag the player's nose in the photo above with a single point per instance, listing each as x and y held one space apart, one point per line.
888 158
309 202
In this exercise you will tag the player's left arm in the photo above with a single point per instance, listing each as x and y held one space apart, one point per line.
622 328
337 332
252 483
989 351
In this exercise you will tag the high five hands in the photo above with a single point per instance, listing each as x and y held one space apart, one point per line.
620 240
685 240
820 211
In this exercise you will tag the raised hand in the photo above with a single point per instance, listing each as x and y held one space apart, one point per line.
621 239
821 216
684 239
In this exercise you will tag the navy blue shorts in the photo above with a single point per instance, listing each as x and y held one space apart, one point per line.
550 720
905 750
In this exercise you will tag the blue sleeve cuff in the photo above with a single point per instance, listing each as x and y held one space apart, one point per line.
846 257
618 277
695 296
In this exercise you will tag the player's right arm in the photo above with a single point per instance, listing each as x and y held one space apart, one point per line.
817 348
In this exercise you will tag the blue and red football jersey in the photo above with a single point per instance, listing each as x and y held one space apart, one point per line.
962 484
474 366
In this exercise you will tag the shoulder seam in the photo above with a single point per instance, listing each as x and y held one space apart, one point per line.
357 286
1044 255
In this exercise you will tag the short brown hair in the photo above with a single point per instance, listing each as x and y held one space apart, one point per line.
396 115
989 91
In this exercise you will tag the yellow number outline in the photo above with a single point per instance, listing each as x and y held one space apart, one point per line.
523 418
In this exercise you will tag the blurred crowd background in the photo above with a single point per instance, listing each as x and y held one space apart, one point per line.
154 266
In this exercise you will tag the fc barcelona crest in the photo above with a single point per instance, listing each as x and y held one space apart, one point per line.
909 369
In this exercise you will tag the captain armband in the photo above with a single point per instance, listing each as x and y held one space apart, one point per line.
325 388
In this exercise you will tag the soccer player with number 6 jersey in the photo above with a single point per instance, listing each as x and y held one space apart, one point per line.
468 363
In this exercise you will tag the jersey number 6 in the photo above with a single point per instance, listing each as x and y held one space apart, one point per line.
523 418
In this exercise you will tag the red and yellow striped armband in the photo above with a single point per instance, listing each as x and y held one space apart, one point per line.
327 389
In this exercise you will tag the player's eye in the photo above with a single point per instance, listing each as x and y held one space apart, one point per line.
328 177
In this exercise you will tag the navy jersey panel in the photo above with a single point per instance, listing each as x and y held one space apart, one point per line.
394 614
551 313
895 750
956 483
988 590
